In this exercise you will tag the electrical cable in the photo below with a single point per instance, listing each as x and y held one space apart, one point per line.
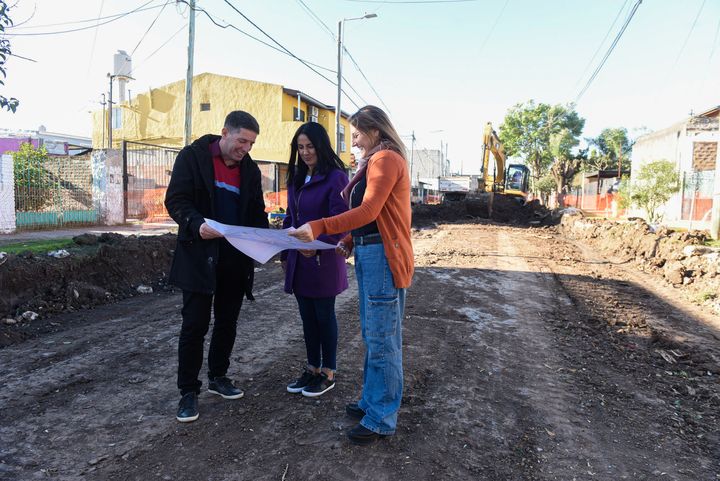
92 49
157 49
286 49
610 50
492 29
607 34
692 28
150 27
355 64
410 1
112 19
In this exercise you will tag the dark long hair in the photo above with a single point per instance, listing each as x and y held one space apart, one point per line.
327 159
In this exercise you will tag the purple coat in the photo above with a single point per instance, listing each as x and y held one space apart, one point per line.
323 275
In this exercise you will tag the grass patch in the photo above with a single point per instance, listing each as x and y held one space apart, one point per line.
713 243
707 296
38 246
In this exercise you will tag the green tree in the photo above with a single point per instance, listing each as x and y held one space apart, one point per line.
32 183
565 164
527 129
544 187
613 150
5 21
650 188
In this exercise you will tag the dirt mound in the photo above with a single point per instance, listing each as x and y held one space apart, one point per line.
505 209
99 270
680 258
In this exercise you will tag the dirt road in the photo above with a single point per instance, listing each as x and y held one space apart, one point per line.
526 357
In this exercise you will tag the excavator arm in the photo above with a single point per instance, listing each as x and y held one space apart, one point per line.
492 145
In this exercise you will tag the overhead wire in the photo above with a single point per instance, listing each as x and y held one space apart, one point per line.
411 1
150 27
607 34
687 38
286 49
492 29
157 49
112 19
609 51
92 48
345 50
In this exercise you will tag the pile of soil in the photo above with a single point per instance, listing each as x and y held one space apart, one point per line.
505 209
100 269
680 258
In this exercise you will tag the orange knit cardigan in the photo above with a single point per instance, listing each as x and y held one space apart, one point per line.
387 201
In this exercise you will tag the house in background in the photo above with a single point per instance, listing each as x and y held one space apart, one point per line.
692 145
55 143
150 127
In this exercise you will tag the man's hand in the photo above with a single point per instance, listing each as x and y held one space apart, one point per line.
307 253
303 233
207 232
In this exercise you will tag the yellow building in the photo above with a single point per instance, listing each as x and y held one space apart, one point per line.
158 116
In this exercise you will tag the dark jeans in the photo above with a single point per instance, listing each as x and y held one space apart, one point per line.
320 330
196 309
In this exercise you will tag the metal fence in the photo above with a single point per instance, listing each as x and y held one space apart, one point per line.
54 193
146 172
697 189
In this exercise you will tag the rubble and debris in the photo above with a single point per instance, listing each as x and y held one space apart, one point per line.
144 289
29 315
59 254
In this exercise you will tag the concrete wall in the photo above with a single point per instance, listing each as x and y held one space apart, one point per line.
676 145
7 195
107 189
157 116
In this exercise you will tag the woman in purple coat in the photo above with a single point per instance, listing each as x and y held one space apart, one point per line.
316 178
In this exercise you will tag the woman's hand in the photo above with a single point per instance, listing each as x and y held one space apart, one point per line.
307 253
342 249
303 233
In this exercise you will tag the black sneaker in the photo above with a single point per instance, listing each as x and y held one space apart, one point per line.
302 382
188 408
362 436
354 411
318 386
225 388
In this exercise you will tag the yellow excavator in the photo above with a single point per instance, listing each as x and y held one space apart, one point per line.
512 181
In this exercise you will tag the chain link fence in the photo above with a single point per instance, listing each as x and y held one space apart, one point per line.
697 189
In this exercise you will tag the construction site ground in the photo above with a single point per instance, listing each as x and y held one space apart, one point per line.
527 356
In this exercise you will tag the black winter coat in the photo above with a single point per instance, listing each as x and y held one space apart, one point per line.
189 200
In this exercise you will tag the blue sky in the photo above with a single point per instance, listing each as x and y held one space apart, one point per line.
443 69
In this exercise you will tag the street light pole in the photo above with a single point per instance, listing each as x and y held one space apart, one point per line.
340 34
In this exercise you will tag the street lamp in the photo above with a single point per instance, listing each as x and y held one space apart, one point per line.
341 32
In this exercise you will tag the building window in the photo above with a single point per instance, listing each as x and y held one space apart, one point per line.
342 138
204 107
116 118
298 115
314 112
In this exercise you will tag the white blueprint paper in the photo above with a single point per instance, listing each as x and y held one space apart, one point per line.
262 244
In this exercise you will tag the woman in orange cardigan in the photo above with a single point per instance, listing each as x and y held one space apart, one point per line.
379 225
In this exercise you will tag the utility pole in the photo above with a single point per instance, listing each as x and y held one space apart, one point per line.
412 156
339 85
110 112
189 76
103 103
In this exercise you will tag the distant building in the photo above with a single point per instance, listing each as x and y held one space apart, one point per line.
692 145
158 116
54 143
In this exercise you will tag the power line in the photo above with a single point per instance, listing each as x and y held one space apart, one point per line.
601 43
610 50
692 28
284 48
150 27
158 49
318 19
492 29
112 19
234 27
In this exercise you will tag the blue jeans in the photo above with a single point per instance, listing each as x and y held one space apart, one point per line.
319 329
381 311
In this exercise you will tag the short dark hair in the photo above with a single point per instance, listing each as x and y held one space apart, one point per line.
239 119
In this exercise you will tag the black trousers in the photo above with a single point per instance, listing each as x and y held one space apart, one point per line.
196 311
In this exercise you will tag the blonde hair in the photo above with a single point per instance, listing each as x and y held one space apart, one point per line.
371 118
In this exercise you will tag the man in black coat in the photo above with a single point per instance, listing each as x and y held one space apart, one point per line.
212 178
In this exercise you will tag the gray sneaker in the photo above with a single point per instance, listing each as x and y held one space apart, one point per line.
225 388
302 382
